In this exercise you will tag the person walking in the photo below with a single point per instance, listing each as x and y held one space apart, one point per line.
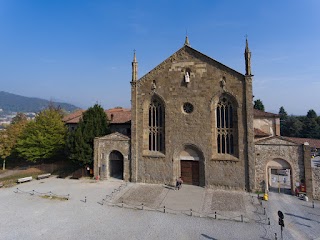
179 183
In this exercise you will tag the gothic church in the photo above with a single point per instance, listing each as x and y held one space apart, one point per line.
191 116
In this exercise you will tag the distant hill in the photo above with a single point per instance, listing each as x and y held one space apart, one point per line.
15 103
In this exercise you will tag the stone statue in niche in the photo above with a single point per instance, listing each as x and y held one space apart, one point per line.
187 77
223 83
153 86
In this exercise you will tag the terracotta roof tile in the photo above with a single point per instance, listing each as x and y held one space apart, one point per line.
115 115
312 141
258 113
73 117
119 115
258 133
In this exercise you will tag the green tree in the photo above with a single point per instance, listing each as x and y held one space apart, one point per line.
283 121
94 123
294 127
310 127
44 137
9 137
311 114
258 105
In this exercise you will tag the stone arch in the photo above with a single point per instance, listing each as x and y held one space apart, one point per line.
272 166
104 146
147 102
105 161
215 99
190 158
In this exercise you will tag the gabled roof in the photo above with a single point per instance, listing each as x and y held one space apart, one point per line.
73 117
119 115
312 141
259 133
114 136
278 140
261 114
115 116
196 54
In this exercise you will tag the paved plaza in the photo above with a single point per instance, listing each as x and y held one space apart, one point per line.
113 210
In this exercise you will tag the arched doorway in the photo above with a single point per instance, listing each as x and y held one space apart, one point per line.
190 166
279 176
116 164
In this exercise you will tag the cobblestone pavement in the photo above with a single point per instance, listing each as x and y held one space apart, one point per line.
91 212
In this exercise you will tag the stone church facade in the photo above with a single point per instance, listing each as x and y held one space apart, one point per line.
193 117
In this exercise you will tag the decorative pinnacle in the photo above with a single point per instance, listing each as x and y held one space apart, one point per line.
186 42
134 56
247 44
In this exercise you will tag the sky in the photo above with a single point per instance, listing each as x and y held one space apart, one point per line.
80 52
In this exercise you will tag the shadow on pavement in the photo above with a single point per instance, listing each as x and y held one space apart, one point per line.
208 237
304 218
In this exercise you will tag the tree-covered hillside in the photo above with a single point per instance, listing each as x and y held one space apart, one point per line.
15 103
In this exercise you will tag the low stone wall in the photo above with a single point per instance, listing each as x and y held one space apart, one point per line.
316 183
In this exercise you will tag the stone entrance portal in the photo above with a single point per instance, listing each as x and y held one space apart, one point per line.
116 165
279 176
189 165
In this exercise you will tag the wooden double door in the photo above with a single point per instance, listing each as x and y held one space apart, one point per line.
190 172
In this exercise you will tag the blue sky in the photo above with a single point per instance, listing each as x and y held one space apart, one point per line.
80 52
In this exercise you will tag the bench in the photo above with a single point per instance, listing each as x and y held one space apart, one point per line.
42 176
25 179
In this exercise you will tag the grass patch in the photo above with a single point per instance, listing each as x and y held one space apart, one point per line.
11 180
259 192
55 198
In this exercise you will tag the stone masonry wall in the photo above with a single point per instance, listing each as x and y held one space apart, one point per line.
293 154
316 183
103 147
197 129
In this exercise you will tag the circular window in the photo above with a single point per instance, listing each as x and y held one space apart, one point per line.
187 107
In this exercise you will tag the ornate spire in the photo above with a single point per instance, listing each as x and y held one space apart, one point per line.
186 42
134 67
247 56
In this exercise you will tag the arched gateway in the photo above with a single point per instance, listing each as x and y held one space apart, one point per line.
116 164
279 176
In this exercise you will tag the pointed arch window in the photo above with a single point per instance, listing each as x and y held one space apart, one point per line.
226 127
156 126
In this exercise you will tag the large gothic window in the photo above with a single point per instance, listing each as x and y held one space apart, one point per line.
226 127
156 126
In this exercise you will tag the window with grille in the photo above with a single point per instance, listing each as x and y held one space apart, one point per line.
156 126
226 132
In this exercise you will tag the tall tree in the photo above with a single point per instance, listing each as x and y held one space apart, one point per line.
44 137
94 123
9 137
283 121
310 127
258 105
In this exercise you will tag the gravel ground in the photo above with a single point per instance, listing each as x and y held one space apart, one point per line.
26 216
